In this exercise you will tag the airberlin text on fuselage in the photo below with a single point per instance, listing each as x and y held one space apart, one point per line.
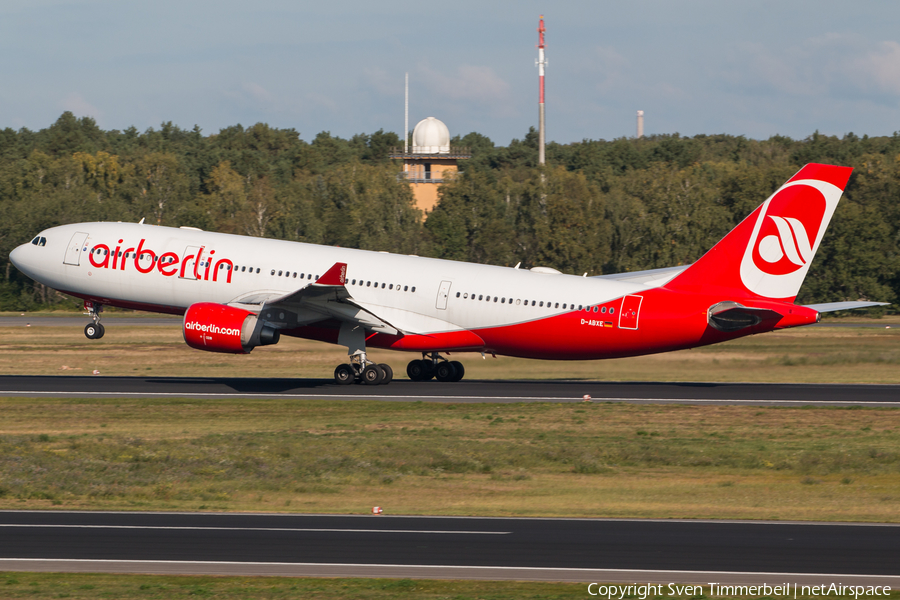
167 263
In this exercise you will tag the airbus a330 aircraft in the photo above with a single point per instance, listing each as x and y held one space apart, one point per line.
239 292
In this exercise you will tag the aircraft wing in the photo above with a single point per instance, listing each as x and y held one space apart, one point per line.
650 278
326 298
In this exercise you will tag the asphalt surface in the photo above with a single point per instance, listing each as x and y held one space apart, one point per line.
547 548
403 390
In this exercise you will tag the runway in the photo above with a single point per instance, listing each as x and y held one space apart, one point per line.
452 547
474 391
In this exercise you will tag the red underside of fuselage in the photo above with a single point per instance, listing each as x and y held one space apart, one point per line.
666 320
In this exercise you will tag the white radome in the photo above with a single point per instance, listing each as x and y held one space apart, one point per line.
431 136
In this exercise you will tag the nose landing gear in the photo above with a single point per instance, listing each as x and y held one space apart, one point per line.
437 367
94 331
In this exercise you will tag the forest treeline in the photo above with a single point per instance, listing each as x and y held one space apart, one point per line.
596 207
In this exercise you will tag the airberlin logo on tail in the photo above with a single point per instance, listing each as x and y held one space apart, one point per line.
785 237
783 242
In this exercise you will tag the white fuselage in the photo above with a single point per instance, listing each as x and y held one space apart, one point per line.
477 296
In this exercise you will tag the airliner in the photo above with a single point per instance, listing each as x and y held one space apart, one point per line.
237 292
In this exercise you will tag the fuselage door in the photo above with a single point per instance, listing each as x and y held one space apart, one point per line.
443 294
630 311
75 249
188 259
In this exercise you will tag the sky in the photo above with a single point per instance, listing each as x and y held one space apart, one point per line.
752 68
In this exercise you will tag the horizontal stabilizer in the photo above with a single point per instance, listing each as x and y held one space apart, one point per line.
833 306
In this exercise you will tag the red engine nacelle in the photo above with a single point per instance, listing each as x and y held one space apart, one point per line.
220 328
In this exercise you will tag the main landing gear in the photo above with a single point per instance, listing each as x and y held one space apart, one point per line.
436 367
362 370
94 331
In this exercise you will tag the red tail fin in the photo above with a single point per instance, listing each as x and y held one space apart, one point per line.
768 254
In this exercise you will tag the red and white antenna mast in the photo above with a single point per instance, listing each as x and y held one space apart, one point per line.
541 63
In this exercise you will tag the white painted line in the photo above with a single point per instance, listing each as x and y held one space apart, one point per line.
287 529
452 398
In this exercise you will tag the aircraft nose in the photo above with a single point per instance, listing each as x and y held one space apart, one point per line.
18 257
15 256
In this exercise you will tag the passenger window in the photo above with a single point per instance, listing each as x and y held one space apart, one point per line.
382 285
405 288
518 302
457 294
257 269
368 284
502 300
480 296
465 296
603 310
611 310
564 306
495 298
353 282
579 307
542 303
244 268
557 305
390 287
273 271
413 289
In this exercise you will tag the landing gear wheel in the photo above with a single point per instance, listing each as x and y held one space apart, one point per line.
445 372
388 374
102 331
92 331
419 370
460 370
344 375
372 375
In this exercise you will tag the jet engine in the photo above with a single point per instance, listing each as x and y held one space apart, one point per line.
220 328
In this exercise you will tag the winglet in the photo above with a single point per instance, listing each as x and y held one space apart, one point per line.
336 275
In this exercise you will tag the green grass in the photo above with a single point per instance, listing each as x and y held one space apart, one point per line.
595 460
151 587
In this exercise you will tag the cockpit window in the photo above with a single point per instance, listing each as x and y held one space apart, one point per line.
43 242
36 240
